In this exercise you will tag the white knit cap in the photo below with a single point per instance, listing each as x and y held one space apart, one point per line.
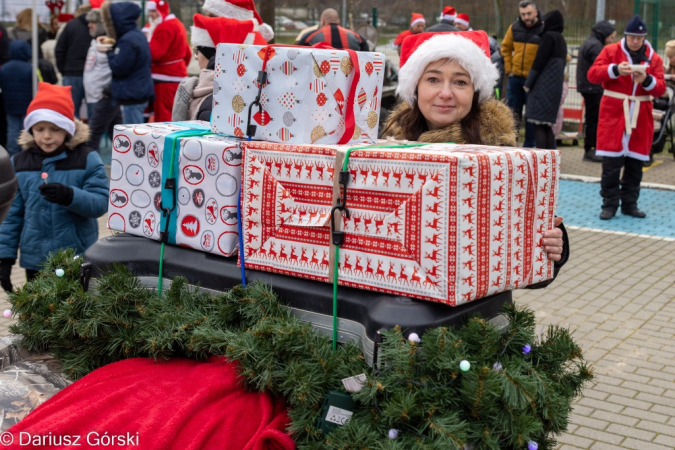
470 49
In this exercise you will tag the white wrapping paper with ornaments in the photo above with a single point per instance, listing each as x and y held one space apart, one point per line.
202 214
297 95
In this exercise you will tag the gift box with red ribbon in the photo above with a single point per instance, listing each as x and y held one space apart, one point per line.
297 95
439 222
201 211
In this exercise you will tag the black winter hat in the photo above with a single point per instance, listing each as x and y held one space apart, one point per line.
636 27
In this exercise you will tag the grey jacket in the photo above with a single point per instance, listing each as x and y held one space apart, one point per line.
97 74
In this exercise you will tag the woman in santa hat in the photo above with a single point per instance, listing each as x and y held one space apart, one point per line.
446 82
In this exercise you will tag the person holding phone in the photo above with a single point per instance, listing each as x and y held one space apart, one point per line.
631 73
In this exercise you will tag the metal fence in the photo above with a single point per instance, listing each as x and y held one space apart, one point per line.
657 15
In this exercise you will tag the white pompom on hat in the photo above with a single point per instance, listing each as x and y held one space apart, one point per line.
470 49
211 31
240 10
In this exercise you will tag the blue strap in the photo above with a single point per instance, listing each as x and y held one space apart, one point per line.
241 241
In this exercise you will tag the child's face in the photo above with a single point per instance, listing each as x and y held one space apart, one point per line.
48 136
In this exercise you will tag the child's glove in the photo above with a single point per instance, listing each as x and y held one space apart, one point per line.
6 273
57 193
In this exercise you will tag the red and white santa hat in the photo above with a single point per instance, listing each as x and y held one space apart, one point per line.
462 19
211 31
240 10
449 13
470 49
52 104
161 6
416 18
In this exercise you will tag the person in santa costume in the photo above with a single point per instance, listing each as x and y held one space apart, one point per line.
447 23
417 24
631 73
445 83
170 54
239 10
462 22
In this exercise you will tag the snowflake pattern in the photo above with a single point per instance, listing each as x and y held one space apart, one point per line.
134 219
155 179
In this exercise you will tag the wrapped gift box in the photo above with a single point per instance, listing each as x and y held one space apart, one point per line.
305 98
208 176
441 222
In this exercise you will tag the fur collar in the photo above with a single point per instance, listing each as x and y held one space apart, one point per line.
497 127
106 18
26 140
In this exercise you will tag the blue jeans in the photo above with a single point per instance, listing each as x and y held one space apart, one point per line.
77 91
132 114
516 98
14 127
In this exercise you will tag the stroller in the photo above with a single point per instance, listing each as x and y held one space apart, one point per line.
663 128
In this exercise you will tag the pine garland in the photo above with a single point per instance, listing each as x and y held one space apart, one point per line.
518 390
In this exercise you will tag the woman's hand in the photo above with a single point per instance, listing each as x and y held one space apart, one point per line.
552 241
526 89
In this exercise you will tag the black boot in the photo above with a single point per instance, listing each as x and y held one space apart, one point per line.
650 162
630 188
607 212
633 211
590 155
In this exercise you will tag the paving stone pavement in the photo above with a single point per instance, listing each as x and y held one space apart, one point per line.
617 294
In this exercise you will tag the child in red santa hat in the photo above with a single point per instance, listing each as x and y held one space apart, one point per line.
63 186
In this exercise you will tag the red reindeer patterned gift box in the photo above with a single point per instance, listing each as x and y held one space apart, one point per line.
439 222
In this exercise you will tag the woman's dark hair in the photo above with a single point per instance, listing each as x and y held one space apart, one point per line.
208 52
412 123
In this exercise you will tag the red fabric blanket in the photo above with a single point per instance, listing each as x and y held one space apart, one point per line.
142 404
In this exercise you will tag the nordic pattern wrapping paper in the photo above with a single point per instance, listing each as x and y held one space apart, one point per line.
207 179
305 98
441 222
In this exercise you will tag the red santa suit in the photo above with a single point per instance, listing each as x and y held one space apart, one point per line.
399 39
171 55
626 124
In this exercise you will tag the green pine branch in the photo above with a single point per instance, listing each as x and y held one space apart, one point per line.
507 398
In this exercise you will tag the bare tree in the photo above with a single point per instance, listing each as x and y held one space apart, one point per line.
266 10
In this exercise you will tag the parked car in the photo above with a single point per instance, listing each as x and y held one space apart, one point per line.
283 22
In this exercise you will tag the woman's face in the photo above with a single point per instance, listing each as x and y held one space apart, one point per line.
444 93
202 60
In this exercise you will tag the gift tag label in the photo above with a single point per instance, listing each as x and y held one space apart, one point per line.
355 383
338 416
